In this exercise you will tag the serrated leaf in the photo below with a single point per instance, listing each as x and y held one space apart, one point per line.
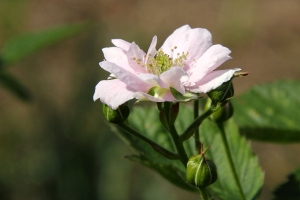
184 119
22 46
289 190
169 172
145 120
140 147
269 112
247 165
15 87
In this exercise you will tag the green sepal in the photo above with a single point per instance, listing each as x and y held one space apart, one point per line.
157 92
187 96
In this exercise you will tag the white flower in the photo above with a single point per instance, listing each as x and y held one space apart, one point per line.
185 63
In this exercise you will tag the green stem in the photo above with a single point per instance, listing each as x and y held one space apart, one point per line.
196 114
172 130
203 193
194 126
179 145
166 153
229 156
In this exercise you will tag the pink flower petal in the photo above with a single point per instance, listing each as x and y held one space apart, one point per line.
113 93
212 80
153 80
209 61
152 51
195 42
173 39
172 77
117 56
128 63
136 58
125 76
121 44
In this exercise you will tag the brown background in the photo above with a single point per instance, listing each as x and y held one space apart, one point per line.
60 138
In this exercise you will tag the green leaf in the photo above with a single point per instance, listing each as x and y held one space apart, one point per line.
289 190
270 112
246 163
146 121
14 86
247 166
170 172
22 46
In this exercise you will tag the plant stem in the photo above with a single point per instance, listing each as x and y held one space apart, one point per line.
196 114
229 156
179 145
172 130
191 129
161 150
203 193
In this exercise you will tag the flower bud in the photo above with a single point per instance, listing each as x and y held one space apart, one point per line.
222 93
174 112
168 113
116 116
221 115
201 171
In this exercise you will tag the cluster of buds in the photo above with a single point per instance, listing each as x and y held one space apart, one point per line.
219 100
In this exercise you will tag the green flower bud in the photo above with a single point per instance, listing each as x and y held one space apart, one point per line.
221 115
222 93
168 113
201 171
116 116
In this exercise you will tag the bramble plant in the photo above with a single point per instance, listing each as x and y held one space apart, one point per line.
170 138
182 69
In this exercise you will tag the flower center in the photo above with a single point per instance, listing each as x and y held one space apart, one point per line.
162 62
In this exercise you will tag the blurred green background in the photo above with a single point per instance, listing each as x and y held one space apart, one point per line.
58 146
